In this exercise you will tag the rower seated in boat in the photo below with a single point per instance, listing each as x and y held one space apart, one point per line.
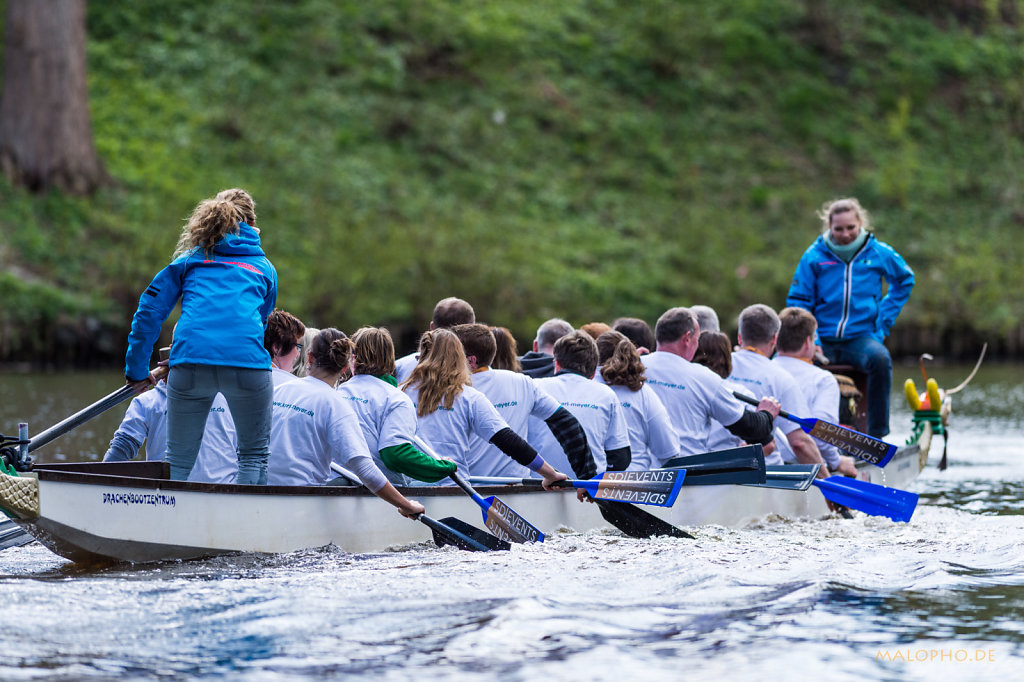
449 409
595 406
447 313
386 414
652 439
283 340
517 398
313 425
714 351
694 396
796 350
752 366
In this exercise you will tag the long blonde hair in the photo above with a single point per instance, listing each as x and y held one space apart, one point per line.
441 372
213 218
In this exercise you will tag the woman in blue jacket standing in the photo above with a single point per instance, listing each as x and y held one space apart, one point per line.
227 288
839 279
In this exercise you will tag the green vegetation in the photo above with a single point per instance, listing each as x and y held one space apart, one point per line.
580 158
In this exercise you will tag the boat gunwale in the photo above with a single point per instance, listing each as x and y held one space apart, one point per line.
123 481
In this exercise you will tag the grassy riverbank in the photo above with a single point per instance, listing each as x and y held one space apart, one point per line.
587 159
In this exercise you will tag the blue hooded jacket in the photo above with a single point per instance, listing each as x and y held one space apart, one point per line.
225 301
846 298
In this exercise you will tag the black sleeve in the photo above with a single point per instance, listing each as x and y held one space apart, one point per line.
619 459
573 439
509 442
753 427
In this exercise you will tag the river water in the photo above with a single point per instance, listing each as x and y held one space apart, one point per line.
782 599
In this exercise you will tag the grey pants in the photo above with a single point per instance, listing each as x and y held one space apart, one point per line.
190 393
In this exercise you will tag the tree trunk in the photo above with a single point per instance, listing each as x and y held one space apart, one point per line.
45 130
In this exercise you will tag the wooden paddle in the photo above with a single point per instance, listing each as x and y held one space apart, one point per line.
447 534
742 465
90 412
505 522
864 496
870 498
658 487
11 535
474 533
860 445
628 518
789 477
637 523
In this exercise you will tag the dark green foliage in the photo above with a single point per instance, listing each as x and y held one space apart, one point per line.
586 159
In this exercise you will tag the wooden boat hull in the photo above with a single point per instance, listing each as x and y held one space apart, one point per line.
130 511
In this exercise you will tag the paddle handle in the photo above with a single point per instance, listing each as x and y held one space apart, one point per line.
88 413
464 484
752 401
80 417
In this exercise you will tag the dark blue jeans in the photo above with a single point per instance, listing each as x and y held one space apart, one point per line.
872 358
190 393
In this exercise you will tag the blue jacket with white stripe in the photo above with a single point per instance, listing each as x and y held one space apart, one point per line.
846 298
225 300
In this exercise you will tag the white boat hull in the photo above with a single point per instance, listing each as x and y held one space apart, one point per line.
93 516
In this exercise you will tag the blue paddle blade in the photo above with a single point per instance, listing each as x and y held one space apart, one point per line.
506 523
869 498
658 487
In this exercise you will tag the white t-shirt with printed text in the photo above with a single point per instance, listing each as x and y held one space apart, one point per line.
386 415
652 438
762 377
516 397
821 391
694 397
313 425
598 411
448 431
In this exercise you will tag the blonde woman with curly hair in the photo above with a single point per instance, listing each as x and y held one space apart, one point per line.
227 288
840 281
449 409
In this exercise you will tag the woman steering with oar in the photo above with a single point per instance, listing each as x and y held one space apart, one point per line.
227 288
314 424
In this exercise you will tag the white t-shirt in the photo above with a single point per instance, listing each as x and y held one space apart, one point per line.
448 431
217 460
313 424
765 378
405 365
694 397
652 438
386 415
280 376
821 391
597 409
516 397
721 438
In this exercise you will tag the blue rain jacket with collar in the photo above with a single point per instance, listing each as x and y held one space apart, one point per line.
846 298
225 300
